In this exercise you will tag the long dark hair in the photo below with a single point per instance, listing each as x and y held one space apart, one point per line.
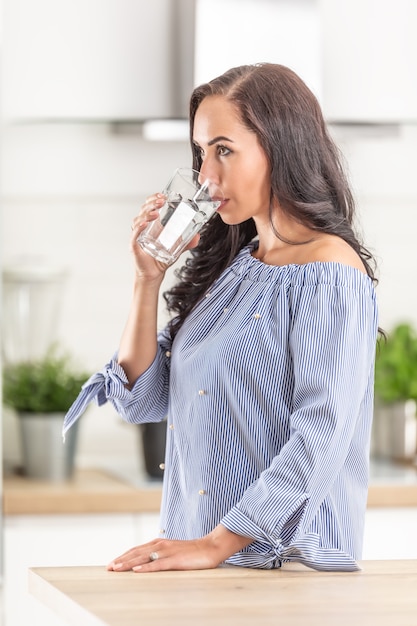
307 176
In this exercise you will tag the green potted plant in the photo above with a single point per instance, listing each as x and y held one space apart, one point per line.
395 423
41 392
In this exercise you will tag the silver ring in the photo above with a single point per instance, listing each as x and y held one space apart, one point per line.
153 556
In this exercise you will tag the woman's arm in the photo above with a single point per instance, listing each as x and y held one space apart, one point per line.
138 344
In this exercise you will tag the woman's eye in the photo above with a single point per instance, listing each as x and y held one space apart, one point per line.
222 150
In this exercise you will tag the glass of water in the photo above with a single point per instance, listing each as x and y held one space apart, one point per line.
188 206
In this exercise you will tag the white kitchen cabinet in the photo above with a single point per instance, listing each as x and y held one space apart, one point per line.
390 533
238 32
96 59
369 57
62 540
130 60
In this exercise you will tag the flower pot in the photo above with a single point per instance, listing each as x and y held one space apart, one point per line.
45 455
153 440
394 431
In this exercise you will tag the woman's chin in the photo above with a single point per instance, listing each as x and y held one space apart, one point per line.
231 221
228 219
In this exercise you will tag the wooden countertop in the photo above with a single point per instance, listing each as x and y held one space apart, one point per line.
392 495
97 491
89 491
382 594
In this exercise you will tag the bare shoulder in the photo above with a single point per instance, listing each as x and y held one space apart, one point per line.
332 249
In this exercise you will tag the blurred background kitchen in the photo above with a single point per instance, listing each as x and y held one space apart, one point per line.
94 105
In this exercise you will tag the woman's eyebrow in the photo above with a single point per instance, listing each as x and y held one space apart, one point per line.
213 141
219 138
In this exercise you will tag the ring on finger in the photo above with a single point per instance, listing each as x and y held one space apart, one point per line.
154 556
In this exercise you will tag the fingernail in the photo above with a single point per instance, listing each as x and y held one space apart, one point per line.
117 565
136 568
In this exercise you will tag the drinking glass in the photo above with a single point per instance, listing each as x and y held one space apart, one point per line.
188 206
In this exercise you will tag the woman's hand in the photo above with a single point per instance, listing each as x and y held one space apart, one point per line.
146 266
168 554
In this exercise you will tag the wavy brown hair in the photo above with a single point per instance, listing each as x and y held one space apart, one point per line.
307 176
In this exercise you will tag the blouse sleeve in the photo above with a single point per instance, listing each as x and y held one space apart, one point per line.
332 344
146 401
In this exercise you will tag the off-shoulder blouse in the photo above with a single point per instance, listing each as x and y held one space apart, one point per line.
268 394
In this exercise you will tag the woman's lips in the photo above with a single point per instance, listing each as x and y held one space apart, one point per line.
222 204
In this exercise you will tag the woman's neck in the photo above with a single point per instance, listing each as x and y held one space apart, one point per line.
292 236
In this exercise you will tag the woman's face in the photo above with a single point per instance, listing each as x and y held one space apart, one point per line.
232 158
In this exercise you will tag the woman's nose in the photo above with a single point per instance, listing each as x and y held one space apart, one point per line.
208 171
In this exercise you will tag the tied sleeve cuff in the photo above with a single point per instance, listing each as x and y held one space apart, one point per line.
268 552
111 381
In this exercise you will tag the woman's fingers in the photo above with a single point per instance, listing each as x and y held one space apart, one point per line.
141 221
149 211
135 556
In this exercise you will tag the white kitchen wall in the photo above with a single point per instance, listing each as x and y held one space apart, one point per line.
382 163
69 195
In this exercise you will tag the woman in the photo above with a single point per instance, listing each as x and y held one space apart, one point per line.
266 370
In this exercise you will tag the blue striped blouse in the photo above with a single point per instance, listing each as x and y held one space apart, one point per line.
268 393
